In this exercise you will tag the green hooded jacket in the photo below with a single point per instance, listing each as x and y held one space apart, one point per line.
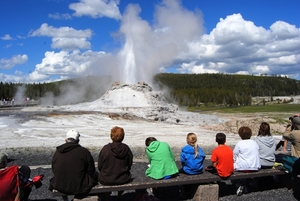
161 160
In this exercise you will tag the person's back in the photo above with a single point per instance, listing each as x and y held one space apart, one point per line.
192 156
115 160
292 134
246 152
267 146
222 157
161 159
73 167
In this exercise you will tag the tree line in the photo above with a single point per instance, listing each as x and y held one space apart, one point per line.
185 89
224 89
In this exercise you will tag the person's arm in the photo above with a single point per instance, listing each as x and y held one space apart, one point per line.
213 159
91 164
284 145
236 151
24 181
171 153
287 133
100 161
130 158
182 157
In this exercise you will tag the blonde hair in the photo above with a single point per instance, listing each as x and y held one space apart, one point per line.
191 139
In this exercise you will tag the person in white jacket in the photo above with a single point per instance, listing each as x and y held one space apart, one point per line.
246 152
246 156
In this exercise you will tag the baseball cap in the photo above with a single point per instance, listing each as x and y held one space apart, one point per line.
296 120
73 134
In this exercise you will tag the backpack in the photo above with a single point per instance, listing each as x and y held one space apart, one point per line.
287 161
9 184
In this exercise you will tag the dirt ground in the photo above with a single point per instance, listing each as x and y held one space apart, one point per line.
277 121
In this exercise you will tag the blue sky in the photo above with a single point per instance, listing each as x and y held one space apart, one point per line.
132 40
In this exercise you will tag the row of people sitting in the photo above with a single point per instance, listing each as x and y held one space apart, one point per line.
75 172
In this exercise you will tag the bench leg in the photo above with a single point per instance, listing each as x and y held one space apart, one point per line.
207 192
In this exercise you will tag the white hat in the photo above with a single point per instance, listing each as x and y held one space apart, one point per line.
73 134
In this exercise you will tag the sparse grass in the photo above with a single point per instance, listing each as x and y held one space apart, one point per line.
286 108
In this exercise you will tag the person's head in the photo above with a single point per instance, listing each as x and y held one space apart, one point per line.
264 129
73 136
3 159
149 140
191 139
117 134
245 132
220 138
296 122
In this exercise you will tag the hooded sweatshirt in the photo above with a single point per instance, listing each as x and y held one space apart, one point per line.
267 148
73 168
161 159
190 163
114 164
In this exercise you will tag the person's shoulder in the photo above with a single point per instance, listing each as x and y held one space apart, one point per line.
83 149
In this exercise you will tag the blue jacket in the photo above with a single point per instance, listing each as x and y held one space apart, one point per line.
190 164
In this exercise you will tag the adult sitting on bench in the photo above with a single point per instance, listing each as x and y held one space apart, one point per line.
73 167
115 161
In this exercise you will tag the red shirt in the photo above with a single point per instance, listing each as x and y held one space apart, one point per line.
223 157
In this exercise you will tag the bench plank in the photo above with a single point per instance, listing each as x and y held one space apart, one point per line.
181 179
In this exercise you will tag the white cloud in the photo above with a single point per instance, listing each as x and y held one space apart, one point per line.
21 37
8 45
62 32
6 37
35 77
197 69
58 16
66 38
242 47
97 8
70 43
15 60
175 39
74 64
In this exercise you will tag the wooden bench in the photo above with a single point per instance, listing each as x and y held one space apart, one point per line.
182 179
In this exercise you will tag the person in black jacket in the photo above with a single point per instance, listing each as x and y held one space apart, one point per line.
73 167
115 161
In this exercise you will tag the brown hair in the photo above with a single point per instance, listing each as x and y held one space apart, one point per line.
117 134
220 138
245 132
264 129
191 139
149 140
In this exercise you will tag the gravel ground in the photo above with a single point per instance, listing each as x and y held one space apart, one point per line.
39 163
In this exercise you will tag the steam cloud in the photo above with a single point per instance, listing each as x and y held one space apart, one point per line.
148 48
145 50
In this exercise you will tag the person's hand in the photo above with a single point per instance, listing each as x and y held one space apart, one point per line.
37 180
